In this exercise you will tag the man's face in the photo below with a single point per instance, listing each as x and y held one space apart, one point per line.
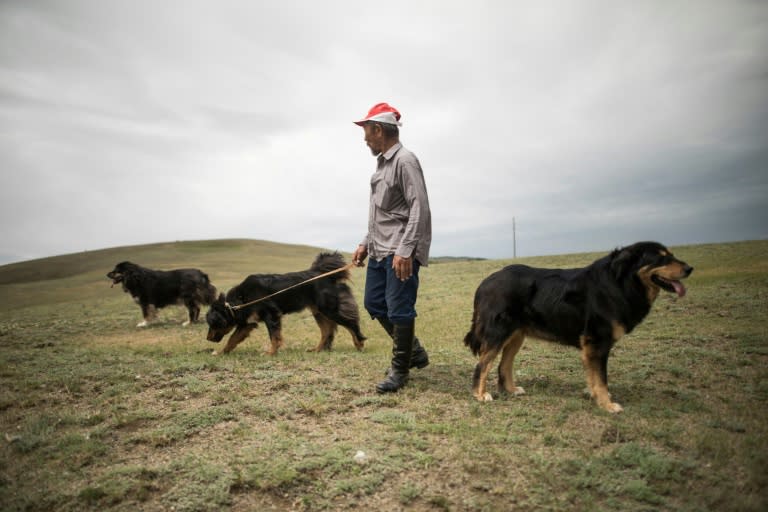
374 137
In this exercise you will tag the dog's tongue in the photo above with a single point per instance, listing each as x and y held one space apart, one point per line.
679 288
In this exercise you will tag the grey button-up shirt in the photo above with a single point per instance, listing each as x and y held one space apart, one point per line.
399 219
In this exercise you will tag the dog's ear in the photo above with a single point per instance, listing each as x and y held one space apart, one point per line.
621 262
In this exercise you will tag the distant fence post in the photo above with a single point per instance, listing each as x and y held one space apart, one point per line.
514 239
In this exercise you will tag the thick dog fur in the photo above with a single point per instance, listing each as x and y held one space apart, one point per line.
155 289
589 308
330 299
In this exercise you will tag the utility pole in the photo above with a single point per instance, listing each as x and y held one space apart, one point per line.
514 239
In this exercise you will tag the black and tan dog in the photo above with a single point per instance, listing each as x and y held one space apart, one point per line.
329 299
155 289
589 308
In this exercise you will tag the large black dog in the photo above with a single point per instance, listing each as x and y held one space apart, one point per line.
329 299
589 308
155 289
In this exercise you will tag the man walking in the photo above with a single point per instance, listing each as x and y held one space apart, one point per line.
398 240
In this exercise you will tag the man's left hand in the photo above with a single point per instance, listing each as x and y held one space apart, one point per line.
403 267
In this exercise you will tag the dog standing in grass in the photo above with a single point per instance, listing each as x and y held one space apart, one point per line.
329 299
155 289
589 308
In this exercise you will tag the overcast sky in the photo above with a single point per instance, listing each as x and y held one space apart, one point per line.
592 124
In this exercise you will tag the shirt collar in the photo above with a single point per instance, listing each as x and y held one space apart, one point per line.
391 151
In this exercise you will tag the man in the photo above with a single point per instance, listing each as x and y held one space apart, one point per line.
398 240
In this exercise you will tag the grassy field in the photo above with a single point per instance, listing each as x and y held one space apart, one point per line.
98 415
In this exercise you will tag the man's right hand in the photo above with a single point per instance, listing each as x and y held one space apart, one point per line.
358 257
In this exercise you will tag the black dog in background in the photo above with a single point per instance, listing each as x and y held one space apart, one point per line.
155 289
589 308
329 299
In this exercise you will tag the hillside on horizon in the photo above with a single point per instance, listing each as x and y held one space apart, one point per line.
162 255
209 255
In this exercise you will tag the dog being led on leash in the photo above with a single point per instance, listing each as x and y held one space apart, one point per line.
329 299
589 308
155 289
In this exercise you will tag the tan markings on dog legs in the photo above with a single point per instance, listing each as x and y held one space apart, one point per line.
237 337
583 340
506 373
598 388
618 330
276 341
327 328
481 375
359 344
150 317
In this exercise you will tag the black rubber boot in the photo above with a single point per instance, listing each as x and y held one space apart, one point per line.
419 356
401 359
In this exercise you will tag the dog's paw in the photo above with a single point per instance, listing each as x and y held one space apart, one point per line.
143 323
613 407
215 353
485 397
186 323
513 391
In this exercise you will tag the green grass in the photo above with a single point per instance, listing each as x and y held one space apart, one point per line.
98 415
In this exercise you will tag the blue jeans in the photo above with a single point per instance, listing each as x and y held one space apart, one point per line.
388 297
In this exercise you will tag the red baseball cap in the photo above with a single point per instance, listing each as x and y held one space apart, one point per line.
381 113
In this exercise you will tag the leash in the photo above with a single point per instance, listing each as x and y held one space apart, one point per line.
232 309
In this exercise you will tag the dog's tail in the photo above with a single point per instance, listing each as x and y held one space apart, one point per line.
347 305
209 291
328 262
472 340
